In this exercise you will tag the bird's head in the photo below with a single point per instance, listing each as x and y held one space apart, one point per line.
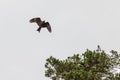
43 21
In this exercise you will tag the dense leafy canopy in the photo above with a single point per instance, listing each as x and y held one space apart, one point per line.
91 65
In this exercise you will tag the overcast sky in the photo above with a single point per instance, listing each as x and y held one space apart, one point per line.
77 25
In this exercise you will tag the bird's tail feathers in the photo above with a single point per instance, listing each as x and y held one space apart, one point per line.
39 29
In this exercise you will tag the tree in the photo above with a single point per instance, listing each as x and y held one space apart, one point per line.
91 65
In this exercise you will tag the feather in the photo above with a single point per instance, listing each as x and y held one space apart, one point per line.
41 24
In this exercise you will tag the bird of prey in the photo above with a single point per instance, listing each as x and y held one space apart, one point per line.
41 24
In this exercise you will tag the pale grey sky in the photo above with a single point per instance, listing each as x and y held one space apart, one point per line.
76 26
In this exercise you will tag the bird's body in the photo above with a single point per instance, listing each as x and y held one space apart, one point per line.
41 24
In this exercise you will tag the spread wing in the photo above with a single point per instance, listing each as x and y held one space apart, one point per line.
48 27
37 20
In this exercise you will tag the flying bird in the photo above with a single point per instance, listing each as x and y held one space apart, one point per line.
41 24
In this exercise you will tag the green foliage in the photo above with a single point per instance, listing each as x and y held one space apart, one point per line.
113 77
91 65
